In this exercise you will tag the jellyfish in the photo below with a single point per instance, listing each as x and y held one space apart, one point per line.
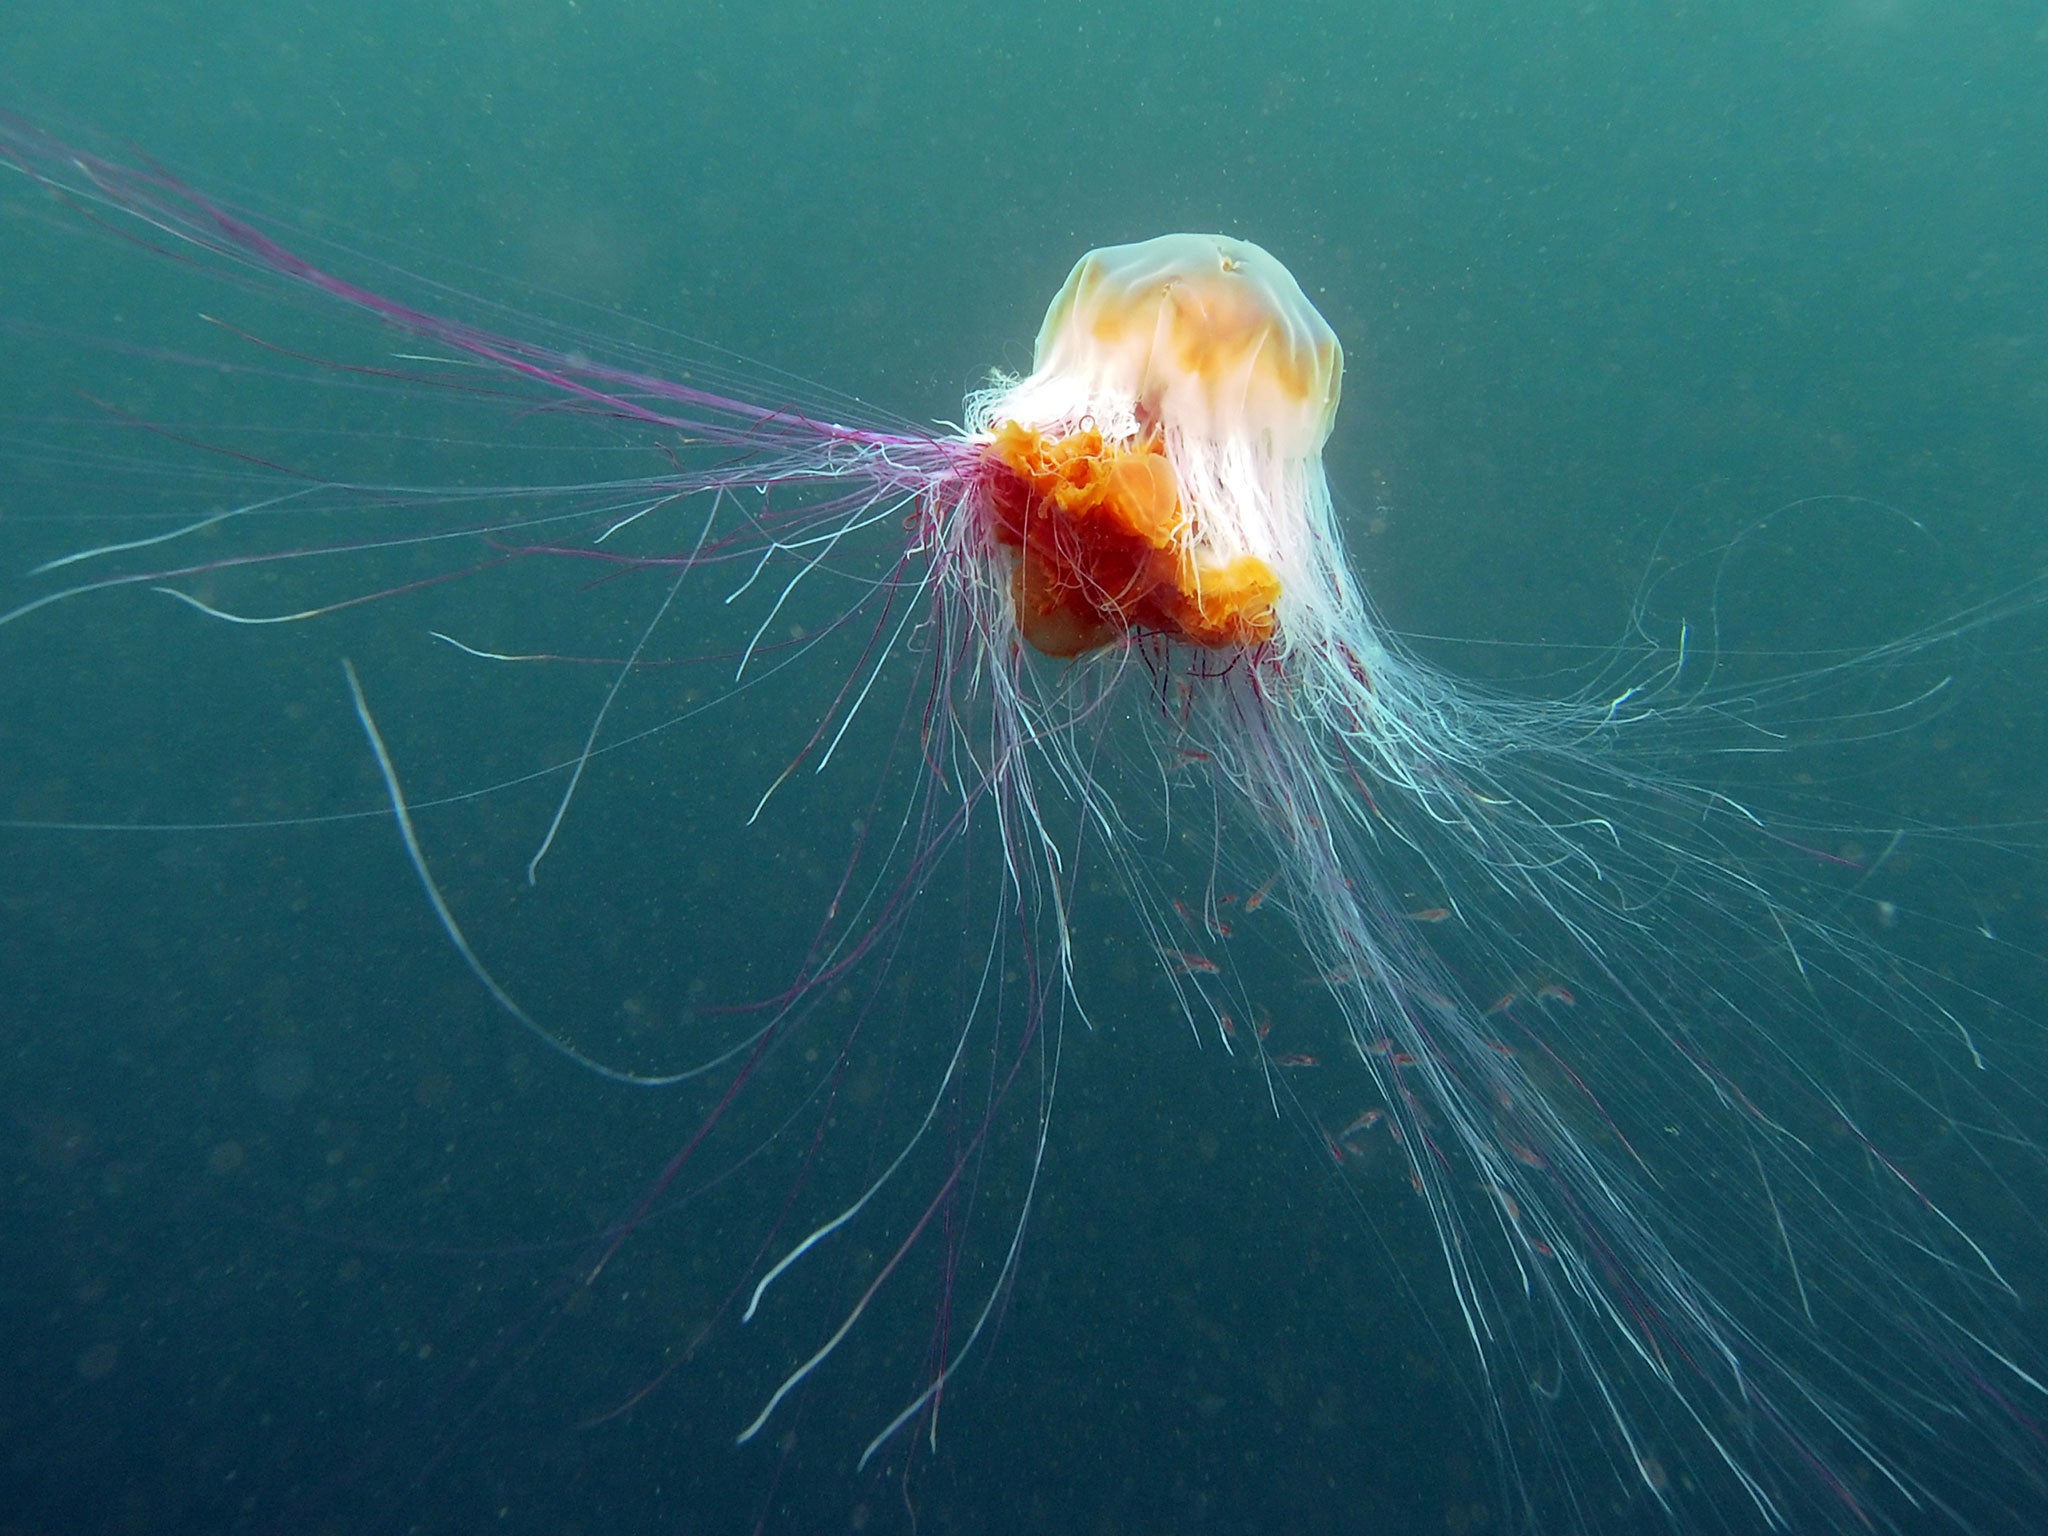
1101 648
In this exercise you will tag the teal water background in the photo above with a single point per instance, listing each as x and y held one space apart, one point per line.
1611 279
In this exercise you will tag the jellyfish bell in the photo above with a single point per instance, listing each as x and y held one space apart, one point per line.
1160 470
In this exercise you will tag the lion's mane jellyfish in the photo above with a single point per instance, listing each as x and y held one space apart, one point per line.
1607 1021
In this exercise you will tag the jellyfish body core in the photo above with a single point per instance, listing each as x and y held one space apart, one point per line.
1163 456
